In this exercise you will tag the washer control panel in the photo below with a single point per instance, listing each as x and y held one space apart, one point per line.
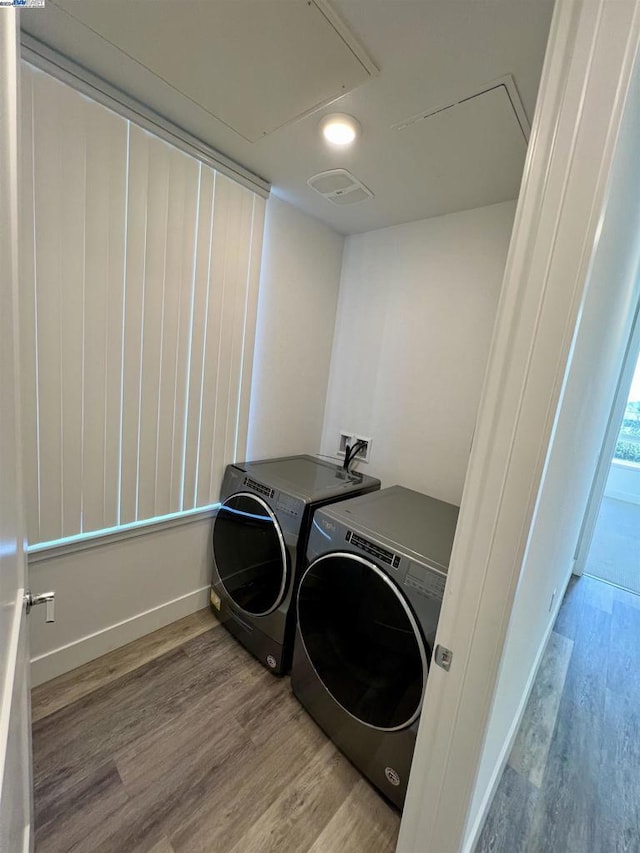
291 506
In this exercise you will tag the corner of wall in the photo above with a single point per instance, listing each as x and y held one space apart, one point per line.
300 277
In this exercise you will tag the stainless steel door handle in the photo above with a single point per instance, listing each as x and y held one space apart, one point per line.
48 598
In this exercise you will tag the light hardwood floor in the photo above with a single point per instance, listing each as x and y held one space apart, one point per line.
572 784
182 743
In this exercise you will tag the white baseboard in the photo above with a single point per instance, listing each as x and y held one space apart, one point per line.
627 497
68 657
474 833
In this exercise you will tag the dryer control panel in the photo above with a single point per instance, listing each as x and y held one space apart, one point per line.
428 581
422 579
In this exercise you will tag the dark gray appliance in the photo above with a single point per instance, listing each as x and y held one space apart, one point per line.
260 536
368 609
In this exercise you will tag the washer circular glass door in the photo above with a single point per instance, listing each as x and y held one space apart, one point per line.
362 640
250 554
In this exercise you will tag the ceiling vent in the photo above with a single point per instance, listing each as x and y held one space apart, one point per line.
340 187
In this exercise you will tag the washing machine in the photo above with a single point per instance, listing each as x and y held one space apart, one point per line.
367 611
260 534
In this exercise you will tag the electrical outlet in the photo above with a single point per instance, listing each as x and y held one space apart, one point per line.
348 438
345 439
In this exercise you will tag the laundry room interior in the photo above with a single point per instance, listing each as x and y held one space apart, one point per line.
350 327
231 326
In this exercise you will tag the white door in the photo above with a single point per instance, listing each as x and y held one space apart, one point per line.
467 725
15 711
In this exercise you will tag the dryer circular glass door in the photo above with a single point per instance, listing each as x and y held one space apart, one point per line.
363 640
250 554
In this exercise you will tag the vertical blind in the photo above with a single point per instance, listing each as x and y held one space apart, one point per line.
139 279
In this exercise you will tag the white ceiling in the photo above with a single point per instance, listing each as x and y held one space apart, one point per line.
429 55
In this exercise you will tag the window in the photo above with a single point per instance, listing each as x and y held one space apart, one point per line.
139 276
628 444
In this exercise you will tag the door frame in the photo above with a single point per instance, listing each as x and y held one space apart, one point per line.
590 58
16 788
605 459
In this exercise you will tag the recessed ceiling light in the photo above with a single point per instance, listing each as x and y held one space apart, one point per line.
340 129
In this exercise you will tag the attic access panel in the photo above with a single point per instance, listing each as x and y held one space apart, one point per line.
467 154
255 65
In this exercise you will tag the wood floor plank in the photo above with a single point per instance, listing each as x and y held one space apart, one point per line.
297 817
69 819
618 839
571 782
509 822
68 745
569 617
173 757
163 768
620 768
201 750
212 647
227 662
198 749
96 726
147 697
623 664
589 796
216 814
107 736
163 846
65 797
364 823
265 711
62 691
132 831
529 754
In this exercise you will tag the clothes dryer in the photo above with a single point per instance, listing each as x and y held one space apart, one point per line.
368 609
260 534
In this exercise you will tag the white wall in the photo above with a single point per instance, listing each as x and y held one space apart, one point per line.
623 482
415 317
595 365
112 594
299 282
